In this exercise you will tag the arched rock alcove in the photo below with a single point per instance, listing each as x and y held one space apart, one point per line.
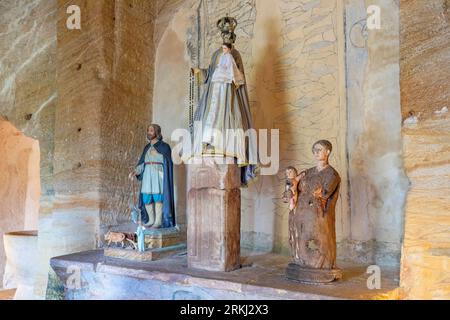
19 184
307 79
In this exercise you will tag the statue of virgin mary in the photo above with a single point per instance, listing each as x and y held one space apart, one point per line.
224 109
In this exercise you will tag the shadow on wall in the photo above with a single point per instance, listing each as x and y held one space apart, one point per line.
262 221
19 187
169 104
261 224
180 187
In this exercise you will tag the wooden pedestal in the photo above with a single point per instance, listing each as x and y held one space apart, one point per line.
214 216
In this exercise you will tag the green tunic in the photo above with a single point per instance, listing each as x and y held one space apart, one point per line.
152 182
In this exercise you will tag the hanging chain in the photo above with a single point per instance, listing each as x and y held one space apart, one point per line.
191 99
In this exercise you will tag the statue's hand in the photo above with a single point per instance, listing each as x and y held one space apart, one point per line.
195 70
132 175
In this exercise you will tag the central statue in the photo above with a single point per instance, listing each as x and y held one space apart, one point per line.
224 108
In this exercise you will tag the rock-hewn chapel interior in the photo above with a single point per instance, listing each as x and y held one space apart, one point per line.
75 104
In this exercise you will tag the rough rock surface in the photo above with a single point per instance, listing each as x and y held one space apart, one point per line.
86 96
425 86
19 185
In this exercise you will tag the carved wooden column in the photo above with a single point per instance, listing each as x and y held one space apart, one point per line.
213 216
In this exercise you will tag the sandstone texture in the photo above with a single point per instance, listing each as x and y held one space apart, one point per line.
425 89
85 95
19 184
74 106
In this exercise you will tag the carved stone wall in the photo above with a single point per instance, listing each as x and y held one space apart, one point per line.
28 98
377 180
86 96
293 59
425 94
298 60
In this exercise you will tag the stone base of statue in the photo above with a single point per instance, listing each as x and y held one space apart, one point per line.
147 255
214 215
159 243
310 275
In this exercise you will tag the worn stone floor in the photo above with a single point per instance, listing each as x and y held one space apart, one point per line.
261 276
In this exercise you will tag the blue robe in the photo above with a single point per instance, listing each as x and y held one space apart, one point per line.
168 218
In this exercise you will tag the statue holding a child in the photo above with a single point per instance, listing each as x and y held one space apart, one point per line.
312 196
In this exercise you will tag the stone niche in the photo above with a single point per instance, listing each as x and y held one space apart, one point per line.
19 193
294 77
311 78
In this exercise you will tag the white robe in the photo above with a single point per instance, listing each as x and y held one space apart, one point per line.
227 71
229 143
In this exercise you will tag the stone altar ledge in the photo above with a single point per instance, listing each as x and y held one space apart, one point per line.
261 277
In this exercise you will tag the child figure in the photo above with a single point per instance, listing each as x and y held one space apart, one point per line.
291 192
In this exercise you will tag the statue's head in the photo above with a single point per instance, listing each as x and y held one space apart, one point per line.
154 131
321 150
226 47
